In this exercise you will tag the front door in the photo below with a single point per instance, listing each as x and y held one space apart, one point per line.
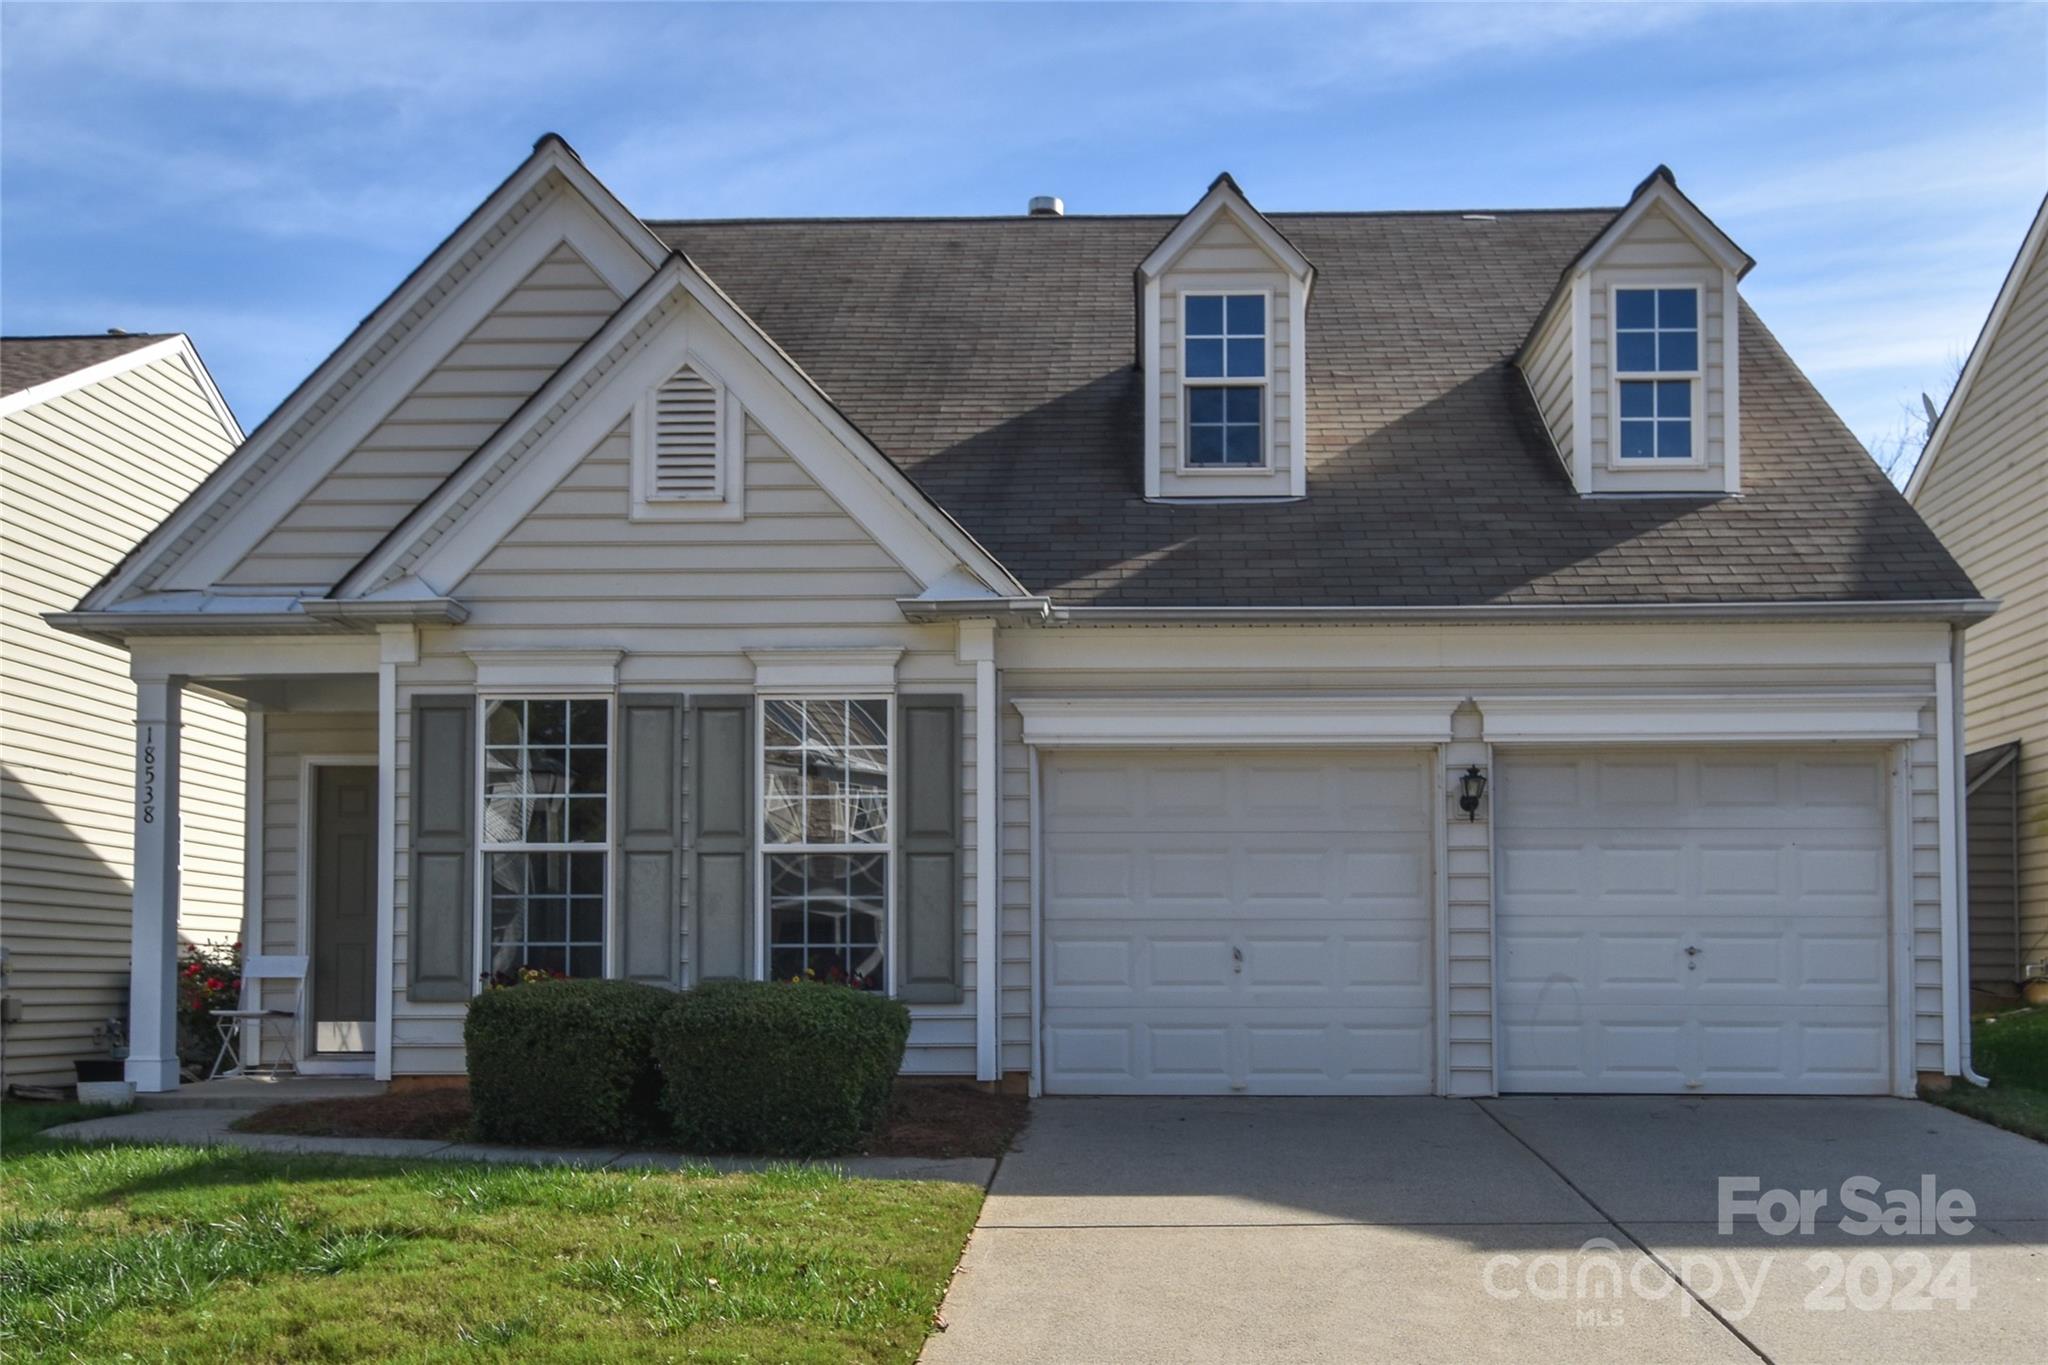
344 909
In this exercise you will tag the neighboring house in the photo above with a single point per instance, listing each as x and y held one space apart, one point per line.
1982 484
100 438
1084 629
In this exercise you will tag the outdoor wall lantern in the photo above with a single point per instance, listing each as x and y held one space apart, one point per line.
1471 787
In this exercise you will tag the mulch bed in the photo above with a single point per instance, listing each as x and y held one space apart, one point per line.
440 1115
926 1119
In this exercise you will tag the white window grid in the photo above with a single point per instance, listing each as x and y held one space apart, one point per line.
1263 381
882 846
1693 377
486 846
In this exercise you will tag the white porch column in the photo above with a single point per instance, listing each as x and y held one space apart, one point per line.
396 645
977 645
153 960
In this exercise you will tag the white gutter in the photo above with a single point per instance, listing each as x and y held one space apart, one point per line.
1960 610
1955 900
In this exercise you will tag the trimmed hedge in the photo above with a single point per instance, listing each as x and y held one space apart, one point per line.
565 1062
777 1069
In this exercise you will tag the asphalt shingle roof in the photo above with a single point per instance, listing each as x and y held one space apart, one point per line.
993 360
28 361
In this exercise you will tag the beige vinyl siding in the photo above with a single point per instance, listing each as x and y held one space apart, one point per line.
1985 497
1549 373
1657 252
1994 880
1219 661
1225 259
683 600
451 412
83 476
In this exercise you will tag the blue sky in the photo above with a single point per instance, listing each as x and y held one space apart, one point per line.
260 176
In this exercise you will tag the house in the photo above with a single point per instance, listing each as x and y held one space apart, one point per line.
1096 631
1982 484
100 438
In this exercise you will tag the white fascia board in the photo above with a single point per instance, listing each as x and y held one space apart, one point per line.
1224 198
253 657
2023 264
1763 717
178 345
855 669
928 545
371 347
1239 721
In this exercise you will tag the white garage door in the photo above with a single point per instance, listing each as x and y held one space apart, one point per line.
1693 921
1236 923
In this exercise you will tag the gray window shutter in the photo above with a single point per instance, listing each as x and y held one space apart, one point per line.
722 835
441 904
928 804
650 819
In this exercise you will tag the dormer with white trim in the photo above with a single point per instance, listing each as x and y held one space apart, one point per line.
1222 300
1634 362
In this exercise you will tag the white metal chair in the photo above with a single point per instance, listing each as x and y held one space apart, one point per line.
280 1026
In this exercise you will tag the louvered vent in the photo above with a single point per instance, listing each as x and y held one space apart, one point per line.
686 437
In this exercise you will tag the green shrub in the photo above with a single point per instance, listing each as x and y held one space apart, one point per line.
569 1062
777 1069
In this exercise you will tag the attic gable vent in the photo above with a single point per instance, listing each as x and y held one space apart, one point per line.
687 449
686 424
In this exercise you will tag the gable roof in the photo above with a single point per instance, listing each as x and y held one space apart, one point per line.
37 369
380 331
2022 265
1225 197
30 362
387 566
990 358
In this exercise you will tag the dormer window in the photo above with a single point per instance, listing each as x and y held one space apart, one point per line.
1224 359
1657 368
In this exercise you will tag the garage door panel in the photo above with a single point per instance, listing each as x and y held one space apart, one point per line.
1735 937
1267 934
1262 1051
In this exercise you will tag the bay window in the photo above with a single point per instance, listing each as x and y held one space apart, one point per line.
825 836
545 833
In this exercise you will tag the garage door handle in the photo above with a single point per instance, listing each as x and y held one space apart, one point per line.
1692 951
1237 959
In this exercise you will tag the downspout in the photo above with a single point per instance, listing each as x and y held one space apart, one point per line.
1961 805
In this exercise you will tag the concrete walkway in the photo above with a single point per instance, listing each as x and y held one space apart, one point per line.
209 1127
1566 1231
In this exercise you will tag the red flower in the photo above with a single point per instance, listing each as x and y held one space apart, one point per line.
213 983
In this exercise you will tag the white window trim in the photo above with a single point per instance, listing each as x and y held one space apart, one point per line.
729 504
1267 426
480 918
1697 377
886 846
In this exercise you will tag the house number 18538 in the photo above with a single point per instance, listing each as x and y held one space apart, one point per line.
148 782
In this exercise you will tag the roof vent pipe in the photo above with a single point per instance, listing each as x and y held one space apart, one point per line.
1048 206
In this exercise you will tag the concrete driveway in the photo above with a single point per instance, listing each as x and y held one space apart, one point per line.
1568 1231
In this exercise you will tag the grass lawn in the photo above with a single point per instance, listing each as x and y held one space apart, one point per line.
2010 1049
177 1253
